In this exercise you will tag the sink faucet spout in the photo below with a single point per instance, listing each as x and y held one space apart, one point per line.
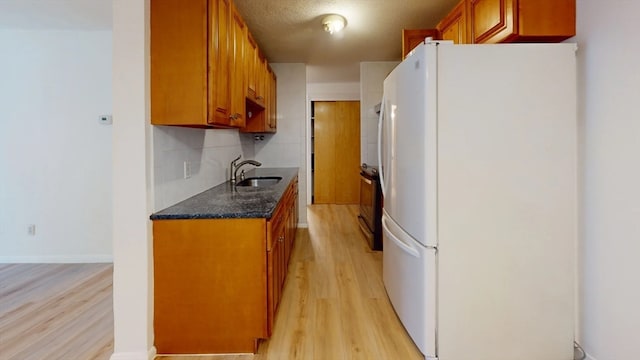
237 167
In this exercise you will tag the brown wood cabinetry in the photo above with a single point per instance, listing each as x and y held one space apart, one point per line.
259 119
179 62
282 231
220 83
412 37
454 26
255 73
501 21
272 108
218 282
190 63
261 79
205 65
494 21
238 68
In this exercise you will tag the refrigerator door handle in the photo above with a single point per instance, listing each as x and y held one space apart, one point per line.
408 248
380 124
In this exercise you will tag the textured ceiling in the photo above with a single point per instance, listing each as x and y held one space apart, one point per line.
291 31
286 30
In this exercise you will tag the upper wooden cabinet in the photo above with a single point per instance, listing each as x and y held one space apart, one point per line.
412 37
179 62
238 68
454 25
494 21
262 119
255 72
500 21
220 64
204 65
272 109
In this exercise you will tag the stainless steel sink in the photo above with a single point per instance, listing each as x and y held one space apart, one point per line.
260 181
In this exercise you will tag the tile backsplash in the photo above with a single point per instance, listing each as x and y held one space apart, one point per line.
208 152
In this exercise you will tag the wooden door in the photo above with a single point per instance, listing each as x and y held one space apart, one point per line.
336 152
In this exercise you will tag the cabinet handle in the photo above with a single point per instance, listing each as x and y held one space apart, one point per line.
281 239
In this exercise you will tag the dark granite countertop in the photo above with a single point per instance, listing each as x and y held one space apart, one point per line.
227 201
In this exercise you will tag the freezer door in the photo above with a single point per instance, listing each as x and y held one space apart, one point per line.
409 274
408 145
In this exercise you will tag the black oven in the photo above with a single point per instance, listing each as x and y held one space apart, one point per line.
370 217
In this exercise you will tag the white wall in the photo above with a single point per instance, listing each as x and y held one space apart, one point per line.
286 148
609 91
345 91
372 75
209 152
132 184
55 157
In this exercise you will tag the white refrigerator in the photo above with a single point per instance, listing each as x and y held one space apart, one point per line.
477 148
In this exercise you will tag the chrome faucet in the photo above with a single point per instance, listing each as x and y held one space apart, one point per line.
237 167
232 169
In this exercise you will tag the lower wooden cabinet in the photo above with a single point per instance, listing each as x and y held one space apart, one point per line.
218 282
282 231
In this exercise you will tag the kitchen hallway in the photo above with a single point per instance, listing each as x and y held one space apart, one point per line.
334 304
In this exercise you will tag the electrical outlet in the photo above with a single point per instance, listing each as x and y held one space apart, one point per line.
187 169
31 229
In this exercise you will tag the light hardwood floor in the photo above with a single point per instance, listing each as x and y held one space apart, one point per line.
334 304
56 311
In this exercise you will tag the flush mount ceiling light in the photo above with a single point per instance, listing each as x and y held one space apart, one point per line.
333 23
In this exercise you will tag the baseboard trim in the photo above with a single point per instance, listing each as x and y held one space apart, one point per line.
149 355
57 259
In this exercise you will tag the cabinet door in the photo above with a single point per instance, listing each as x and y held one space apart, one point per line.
251 51
492 21
209 278
454 25
178 54
261 78
260 106
273 110
220 60
237 70
274 269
